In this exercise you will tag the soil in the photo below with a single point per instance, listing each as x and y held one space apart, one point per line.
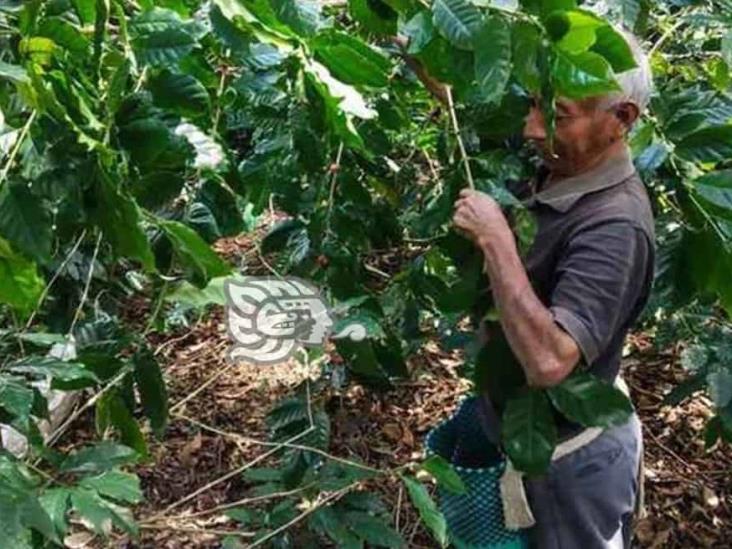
687 488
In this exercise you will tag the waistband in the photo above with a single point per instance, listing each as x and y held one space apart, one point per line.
516 510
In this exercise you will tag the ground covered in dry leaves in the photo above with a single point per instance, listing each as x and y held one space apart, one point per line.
217 429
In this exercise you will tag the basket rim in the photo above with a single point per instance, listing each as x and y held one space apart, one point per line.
429 452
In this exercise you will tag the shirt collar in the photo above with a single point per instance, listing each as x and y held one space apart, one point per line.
565 193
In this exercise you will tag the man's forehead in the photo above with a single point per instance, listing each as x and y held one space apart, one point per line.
577 105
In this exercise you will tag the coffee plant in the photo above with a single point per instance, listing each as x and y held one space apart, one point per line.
133 134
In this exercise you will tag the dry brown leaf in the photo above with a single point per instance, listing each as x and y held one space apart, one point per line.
710 498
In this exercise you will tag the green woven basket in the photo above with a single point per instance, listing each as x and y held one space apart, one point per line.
474 519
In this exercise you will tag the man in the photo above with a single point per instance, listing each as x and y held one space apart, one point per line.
576 294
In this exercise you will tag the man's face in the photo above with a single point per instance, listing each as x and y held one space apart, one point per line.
584 131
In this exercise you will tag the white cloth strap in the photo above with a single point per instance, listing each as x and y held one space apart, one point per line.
516 510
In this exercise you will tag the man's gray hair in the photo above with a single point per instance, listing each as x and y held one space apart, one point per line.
636 84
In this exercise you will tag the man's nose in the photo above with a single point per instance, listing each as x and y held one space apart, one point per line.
534 125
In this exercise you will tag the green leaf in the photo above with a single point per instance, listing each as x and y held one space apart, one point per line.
493 58
19 506
117 414
153 393
42 339
419 30
361 359
101 21
101 513
548 7
259 19
65 375
726 48
590 401
161 38
123 487
374 530
55 502
526 41
16 398
119 217
228 33
188 295
64 34
351 60
457 20
584 75
209 154
241 515
529 434
327 521
613 47
427 509
20 285
180 93
574 31
685 389
157 189
720 387
694 358
376 16
707 145
38 48
715 192
25 222
445 474
302 16
631 10
118 87
98 458
147 137
86 10
199 261
13 73
340 103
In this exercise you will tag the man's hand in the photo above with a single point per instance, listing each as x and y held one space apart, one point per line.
546 352
481 219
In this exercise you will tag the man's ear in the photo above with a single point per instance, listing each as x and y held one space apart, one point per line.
627 113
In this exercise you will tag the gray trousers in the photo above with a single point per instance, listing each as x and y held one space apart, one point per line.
586 499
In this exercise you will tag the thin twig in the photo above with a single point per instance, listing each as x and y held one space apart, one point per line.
16 146
219 92
328 499
335 168
661 41
85 293
211 531
91 402
232 504
304 448
53 279
376 271
461 145
235 472
203 386
306 363
264 262
670 452
170 342
398 507
158 307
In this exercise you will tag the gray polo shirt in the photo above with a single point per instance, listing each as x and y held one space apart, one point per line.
592 261
591 264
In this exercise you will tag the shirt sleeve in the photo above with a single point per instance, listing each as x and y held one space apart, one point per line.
600 277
